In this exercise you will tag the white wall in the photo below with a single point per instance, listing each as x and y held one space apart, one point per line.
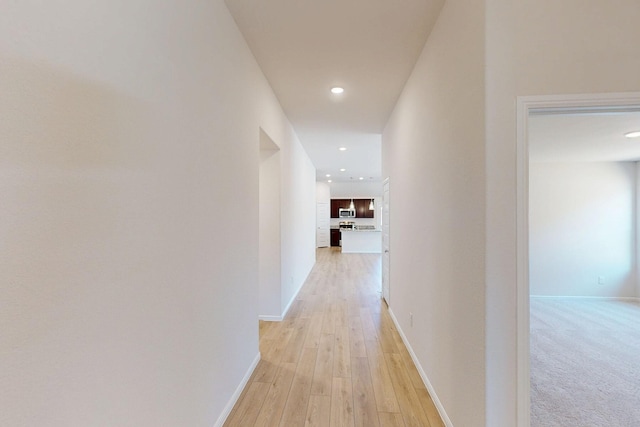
361 190
537 47
298 219
433 152
582 224
129 129
323 192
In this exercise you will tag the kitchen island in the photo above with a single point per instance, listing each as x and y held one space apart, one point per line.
361 241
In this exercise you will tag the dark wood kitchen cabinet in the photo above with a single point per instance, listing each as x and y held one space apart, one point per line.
362 208
337 204
371 213
335 237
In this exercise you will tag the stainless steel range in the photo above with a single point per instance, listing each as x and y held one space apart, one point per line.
364 227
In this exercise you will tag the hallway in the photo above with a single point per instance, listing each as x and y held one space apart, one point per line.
337 358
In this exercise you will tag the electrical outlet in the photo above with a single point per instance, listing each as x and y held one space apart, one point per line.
411 319
601 280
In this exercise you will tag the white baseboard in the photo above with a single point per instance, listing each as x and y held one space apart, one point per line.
268 318
293 298
577 297
236 395
423 375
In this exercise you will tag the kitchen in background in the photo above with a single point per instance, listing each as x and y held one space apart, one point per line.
355 224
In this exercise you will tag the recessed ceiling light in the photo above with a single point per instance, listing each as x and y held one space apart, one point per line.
342 148
342 170
328 175
337 90
361 178
634 134
329 180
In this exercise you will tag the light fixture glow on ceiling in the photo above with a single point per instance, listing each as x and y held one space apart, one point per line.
328 175
361 178
342 148
337 90
329 180
342 170
634 134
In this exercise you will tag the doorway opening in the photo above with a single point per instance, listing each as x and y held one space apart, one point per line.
529 107
269 240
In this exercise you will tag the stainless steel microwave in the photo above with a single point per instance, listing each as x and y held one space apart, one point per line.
347 213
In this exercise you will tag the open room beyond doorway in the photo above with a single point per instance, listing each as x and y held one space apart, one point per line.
585 105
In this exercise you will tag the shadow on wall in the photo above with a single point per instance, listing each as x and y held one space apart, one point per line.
77 182
270 245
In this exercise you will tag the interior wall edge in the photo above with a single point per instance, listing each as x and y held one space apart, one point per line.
295 294
636 215
236 395
425 379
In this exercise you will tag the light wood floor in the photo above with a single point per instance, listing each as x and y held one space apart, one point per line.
337 358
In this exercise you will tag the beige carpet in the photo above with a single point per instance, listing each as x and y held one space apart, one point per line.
585 363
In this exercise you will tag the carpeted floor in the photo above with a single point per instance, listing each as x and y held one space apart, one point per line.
585 363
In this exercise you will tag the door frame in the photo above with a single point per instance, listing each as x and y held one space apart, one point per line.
328 218
526 105
386 250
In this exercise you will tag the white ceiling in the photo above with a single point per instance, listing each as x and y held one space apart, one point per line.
369 47
584 137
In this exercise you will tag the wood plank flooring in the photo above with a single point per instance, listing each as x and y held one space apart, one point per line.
336 359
